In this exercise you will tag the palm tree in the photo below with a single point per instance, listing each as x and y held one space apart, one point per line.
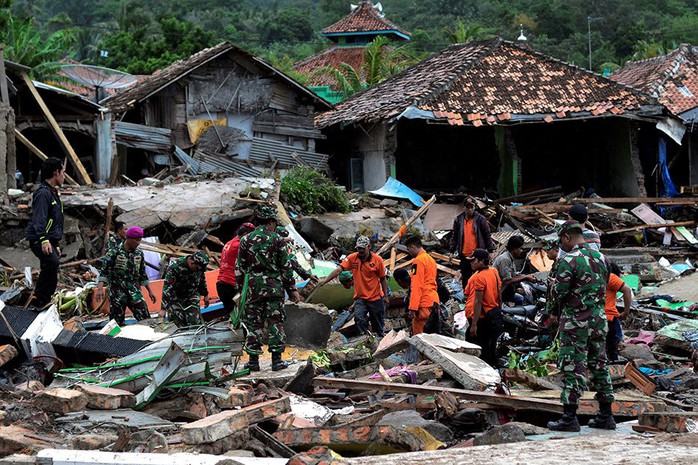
380 61
463 33
24 45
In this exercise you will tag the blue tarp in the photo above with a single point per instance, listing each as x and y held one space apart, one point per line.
395 189
667 186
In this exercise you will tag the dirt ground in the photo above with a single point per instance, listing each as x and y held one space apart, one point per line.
596 449
685 287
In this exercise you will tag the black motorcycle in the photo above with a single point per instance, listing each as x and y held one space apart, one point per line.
525 327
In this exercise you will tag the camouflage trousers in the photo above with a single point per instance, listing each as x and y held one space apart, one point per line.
185 311
261 310
126 295
582 346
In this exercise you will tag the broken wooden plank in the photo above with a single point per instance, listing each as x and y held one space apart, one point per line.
649 226
513 402
42 156
639 379
107 224
75 160
407 224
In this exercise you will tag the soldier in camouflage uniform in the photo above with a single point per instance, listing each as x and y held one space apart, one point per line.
579 290
302 272
264 258
116 239
123 270
185 283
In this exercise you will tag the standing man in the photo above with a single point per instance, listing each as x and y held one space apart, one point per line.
370 286
123 270
470 231
613 316
579 290
578 213
506 268
423 293
45 229
263 257
116 239
227 284
185 283
482 306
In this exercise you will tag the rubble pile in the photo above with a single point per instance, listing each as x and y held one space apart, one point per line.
71 382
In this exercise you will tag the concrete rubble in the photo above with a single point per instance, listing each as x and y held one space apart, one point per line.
73 395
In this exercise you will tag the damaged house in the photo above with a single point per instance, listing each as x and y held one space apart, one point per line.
673 80
40 120
220 110
495 115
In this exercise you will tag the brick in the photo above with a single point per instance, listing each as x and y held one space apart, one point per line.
215 427
7 353
59 400
102 398
238 398
352 438
671 422
92 441
267 410
13 439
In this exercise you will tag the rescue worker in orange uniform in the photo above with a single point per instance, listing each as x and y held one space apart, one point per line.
423 293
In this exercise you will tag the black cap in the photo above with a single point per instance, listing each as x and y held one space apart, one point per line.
468 200
578 212
480 254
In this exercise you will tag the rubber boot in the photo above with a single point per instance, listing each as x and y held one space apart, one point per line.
276 363
568 422
604 420
253 364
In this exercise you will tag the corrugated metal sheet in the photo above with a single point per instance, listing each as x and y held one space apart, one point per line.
286 155
143 137
210 164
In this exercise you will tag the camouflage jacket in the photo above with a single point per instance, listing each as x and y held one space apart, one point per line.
264 257
181 282
551 307
123 267
579 288
114 242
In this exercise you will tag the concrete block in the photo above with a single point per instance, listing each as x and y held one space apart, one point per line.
314 230
59 400
307 325
671 422
504 434
339 439
102 398
239 397
215 427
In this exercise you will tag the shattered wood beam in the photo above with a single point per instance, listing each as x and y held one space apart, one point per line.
445 258
514 402
649 226
36 151
668 200
77 164
407 224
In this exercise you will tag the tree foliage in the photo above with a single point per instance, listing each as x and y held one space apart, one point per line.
144 36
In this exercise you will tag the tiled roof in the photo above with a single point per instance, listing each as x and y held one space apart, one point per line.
364 18
124 100
332 57
672 78
489 82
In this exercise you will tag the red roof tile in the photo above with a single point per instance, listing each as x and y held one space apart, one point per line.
486 79
332 57
364 18
672 78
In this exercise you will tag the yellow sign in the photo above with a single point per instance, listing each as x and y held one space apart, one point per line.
199 126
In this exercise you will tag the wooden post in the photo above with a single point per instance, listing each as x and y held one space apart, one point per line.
36 151
414 218
4 95
77 164
393 256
